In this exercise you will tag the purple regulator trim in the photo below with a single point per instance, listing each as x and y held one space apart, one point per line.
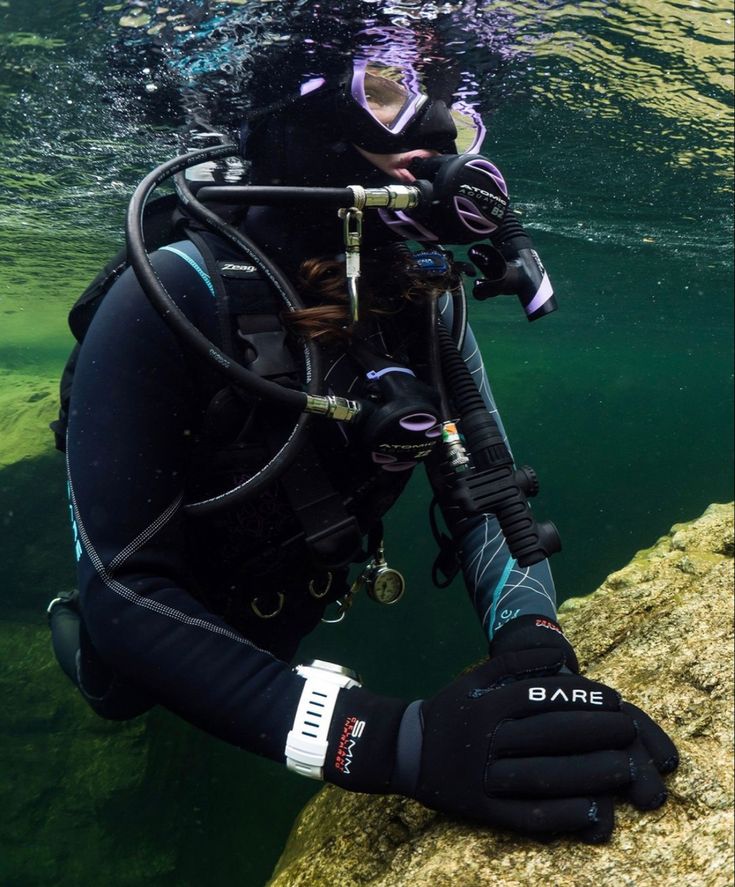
482 165
435 431
406 227
543 294
390 463
418 422
472 218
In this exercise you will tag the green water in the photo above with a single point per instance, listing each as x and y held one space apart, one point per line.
614 131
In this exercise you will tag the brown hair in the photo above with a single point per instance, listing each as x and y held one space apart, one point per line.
386 285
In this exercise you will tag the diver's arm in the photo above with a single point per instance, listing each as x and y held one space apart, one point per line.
130 420
500 590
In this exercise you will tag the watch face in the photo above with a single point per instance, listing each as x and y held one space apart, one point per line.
387 587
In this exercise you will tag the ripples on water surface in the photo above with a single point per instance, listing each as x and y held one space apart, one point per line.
612 122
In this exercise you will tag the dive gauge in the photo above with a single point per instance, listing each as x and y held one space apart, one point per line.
382 583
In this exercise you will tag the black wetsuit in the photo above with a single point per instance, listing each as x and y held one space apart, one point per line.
166 598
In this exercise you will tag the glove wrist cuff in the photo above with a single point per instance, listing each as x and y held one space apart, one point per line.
530 632
362 741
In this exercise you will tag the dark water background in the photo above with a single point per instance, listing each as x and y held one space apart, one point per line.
612 122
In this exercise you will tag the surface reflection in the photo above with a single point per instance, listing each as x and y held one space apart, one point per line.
613 58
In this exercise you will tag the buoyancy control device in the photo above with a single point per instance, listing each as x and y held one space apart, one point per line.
480 475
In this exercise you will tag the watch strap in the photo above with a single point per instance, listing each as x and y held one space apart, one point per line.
307 741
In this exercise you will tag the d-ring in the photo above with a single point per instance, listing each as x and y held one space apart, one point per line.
320 594
258 612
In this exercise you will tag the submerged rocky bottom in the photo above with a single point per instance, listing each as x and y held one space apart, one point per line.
155 802
660 631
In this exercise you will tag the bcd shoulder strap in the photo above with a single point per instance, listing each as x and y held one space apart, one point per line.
248 309
332 535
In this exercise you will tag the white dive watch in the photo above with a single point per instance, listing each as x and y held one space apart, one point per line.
306 744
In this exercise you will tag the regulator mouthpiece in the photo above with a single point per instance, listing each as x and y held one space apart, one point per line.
470 198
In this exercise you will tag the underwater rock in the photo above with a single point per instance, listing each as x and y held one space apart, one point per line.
27 405
67 778
145 803
660 631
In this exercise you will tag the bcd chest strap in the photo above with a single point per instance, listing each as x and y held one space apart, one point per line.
332 535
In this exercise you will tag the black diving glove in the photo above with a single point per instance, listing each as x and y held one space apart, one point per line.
532 633
515 743
651 754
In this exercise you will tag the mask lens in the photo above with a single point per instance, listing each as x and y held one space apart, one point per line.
470 129
385 98
390 94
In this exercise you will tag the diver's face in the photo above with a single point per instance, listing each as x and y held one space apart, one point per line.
396 165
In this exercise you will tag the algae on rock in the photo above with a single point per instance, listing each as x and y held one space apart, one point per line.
660 631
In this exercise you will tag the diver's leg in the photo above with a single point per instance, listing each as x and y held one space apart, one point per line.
106 693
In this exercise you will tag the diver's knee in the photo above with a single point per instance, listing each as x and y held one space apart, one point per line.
107 695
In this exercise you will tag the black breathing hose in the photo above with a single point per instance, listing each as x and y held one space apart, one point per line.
435 360
242 377
280 282
292 446
493 485
484 439
459 314
283 195
167 307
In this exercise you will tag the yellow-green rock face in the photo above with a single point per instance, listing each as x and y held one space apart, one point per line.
660 631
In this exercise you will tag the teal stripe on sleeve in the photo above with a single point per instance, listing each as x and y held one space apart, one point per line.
496 594
199 270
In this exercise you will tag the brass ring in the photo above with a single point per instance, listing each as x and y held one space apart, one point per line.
258 612
320 594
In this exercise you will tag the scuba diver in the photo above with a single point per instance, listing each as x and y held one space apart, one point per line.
248 402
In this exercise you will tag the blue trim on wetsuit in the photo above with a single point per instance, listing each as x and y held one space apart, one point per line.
192 262
495 596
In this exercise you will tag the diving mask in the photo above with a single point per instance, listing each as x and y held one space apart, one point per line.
385 108
390 108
